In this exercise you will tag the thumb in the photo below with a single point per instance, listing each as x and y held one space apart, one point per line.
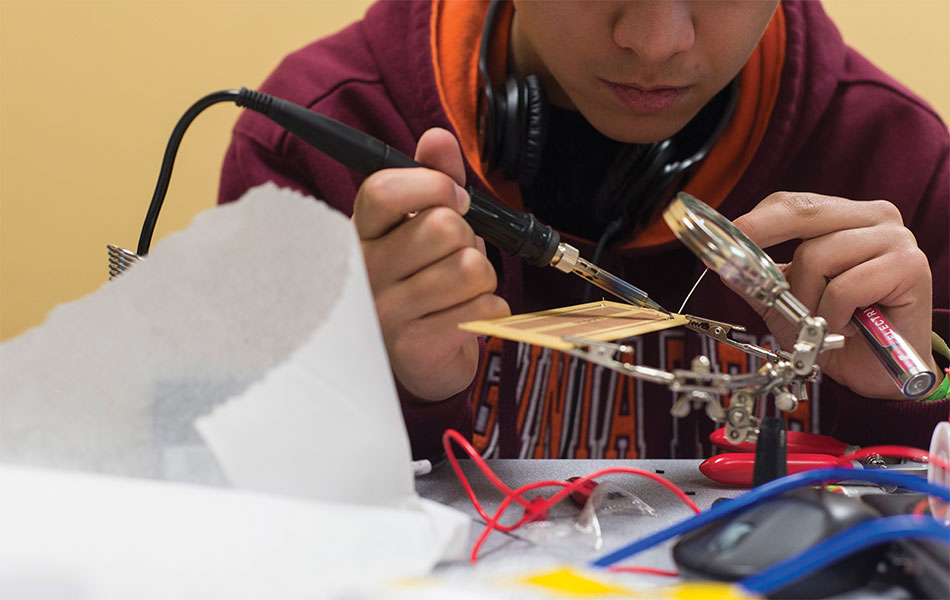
438 149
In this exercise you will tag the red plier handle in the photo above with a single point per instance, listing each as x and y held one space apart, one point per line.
805 451
797 442
736 468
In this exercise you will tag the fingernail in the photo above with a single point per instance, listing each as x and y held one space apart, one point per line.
461 199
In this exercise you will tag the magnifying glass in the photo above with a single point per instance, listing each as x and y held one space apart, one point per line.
738 260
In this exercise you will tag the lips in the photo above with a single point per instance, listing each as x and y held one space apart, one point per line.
646 100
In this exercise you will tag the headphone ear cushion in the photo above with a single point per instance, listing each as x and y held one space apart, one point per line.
521 124
487 118
535 132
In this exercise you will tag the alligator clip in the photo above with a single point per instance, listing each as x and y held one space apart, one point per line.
721 332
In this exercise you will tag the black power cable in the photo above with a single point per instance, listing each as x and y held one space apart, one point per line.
512 231
171 150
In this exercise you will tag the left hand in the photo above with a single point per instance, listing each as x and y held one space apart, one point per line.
853 254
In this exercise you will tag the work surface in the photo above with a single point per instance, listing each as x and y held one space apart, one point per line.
443 486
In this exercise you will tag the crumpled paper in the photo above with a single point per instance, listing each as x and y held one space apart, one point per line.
243 351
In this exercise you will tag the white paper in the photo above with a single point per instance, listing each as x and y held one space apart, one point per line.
111 382
325 402
257 322
78 536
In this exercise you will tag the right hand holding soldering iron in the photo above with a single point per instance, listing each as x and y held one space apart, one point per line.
428 271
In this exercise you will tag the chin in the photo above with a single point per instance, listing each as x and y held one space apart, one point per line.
639 130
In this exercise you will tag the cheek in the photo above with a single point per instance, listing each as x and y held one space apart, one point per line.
722 62
569 59
726 61
730 35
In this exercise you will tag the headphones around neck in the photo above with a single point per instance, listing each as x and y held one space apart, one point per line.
512 123
512 119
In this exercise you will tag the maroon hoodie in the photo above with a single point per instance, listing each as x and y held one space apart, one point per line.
838 126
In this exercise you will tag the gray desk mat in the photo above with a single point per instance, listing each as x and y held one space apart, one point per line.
514 549
443 486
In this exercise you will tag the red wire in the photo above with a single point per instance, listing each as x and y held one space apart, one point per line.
905 452
531 509
451 435
534 509
921 507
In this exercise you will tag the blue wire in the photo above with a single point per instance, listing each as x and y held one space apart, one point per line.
841 545
766 491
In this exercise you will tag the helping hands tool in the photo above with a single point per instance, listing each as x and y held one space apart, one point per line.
738 260
784 375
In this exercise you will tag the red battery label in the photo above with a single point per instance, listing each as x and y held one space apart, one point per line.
875 324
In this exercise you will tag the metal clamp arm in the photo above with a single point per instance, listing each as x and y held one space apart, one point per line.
602 353
679 380
720 331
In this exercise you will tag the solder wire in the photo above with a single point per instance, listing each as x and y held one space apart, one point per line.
693 289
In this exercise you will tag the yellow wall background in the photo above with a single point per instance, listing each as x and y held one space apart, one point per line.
90 91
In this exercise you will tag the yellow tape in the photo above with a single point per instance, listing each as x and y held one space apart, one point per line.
568 582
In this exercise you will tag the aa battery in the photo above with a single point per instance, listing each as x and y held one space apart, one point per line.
903 364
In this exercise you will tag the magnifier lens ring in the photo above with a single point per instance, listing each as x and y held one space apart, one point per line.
718 242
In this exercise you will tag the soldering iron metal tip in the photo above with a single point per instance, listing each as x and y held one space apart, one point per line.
616 286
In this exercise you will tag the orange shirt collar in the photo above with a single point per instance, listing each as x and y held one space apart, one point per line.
456 36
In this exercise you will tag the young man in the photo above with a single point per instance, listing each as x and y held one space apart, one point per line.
763 97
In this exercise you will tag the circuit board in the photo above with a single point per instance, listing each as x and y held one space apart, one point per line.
601 321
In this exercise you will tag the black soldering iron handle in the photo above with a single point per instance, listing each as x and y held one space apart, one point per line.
510 230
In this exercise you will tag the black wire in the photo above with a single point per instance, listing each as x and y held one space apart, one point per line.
165 174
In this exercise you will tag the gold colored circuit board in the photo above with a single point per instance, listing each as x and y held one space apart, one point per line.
602 321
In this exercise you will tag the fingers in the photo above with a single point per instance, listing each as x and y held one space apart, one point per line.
853 254
427 269
897 280
437 334
444 232
784 216
467 272
432 357
855 263
439 150
386 197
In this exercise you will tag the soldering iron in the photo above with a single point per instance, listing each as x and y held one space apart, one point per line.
510 230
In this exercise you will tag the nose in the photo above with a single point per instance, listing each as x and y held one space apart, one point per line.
654 30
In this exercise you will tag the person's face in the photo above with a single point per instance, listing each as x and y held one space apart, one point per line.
637 70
